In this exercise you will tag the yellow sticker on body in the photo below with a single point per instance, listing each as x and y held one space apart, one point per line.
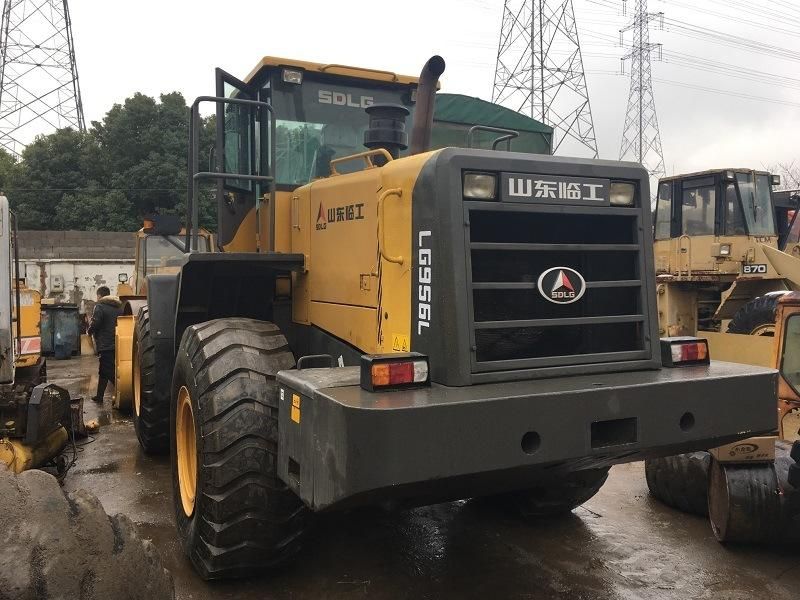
295 408
400 343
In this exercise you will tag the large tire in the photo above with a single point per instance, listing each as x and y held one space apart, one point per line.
757 317
557 497
150 405
234 515
65 546
680 481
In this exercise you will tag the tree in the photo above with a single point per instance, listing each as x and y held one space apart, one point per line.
130 164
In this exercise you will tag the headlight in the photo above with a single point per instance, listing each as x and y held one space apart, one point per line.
621 194
292 76
481 186
724 249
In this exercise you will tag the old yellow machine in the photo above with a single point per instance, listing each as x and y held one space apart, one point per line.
159 250
390 324
34 416
719 265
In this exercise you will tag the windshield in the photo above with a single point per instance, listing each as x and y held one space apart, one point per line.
755 193
167 251
322 121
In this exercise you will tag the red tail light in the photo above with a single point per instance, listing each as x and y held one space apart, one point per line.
684 351
393 371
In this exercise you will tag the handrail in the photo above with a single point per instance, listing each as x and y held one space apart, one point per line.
510 134
195 176
382 229
365 155
364 69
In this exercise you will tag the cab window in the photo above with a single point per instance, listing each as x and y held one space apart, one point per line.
734 217
790 361
163 254
697 206
757 203
320 120
664 212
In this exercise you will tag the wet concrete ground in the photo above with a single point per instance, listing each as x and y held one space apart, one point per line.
622 544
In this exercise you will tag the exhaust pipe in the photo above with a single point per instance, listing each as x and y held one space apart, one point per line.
426 96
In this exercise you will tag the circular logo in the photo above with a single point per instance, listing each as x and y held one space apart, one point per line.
561 285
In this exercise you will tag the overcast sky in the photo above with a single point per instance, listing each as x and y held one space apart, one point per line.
159 46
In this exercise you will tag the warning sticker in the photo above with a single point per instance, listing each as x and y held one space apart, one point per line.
400 343
295 408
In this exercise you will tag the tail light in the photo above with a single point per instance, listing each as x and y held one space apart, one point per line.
393 371
684 351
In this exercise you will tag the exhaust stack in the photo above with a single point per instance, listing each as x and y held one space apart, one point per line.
426 97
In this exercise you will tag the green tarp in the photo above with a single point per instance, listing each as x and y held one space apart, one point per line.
455 114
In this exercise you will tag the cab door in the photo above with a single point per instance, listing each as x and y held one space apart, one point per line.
663 229
242 147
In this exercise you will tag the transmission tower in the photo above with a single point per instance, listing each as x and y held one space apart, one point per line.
540 73
641 139
39 89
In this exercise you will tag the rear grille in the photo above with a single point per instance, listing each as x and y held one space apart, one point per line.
514 326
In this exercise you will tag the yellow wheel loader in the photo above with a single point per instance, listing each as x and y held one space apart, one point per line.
719 264
390 324
159 250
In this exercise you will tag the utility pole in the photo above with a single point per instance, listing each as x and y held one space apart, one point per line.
39 89
539 71
641 138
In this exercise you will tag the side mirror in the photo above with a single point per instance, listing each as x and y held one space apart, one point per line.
122 278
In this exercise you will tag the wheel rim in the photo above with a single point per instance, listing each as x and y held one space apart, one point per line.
137 388
186 450
766 329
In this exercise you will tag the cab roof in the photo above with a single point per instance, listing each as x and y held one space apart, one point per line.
348 71
712 172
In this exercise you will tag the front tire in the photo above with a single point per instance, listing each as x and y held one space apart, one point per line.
150 405
757 317
558 497
234 515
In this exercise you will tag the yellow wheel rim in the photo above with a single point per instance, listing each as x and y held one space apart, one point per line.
186 450
767 329
137 385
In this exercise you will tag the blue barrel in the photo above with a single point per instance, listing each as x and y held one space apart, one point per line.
61 335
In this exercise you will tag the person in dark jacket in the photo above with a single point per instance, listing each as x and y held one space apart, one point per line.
102 328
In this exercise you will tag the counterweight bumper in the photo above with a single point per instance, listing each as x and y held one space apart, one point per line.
343 446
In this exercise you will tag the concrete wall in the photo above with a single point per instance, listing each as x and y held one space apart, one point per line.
69 266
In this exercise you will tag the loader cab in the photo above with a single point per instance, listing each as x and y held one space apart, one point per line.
712 221
160 249
319 116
